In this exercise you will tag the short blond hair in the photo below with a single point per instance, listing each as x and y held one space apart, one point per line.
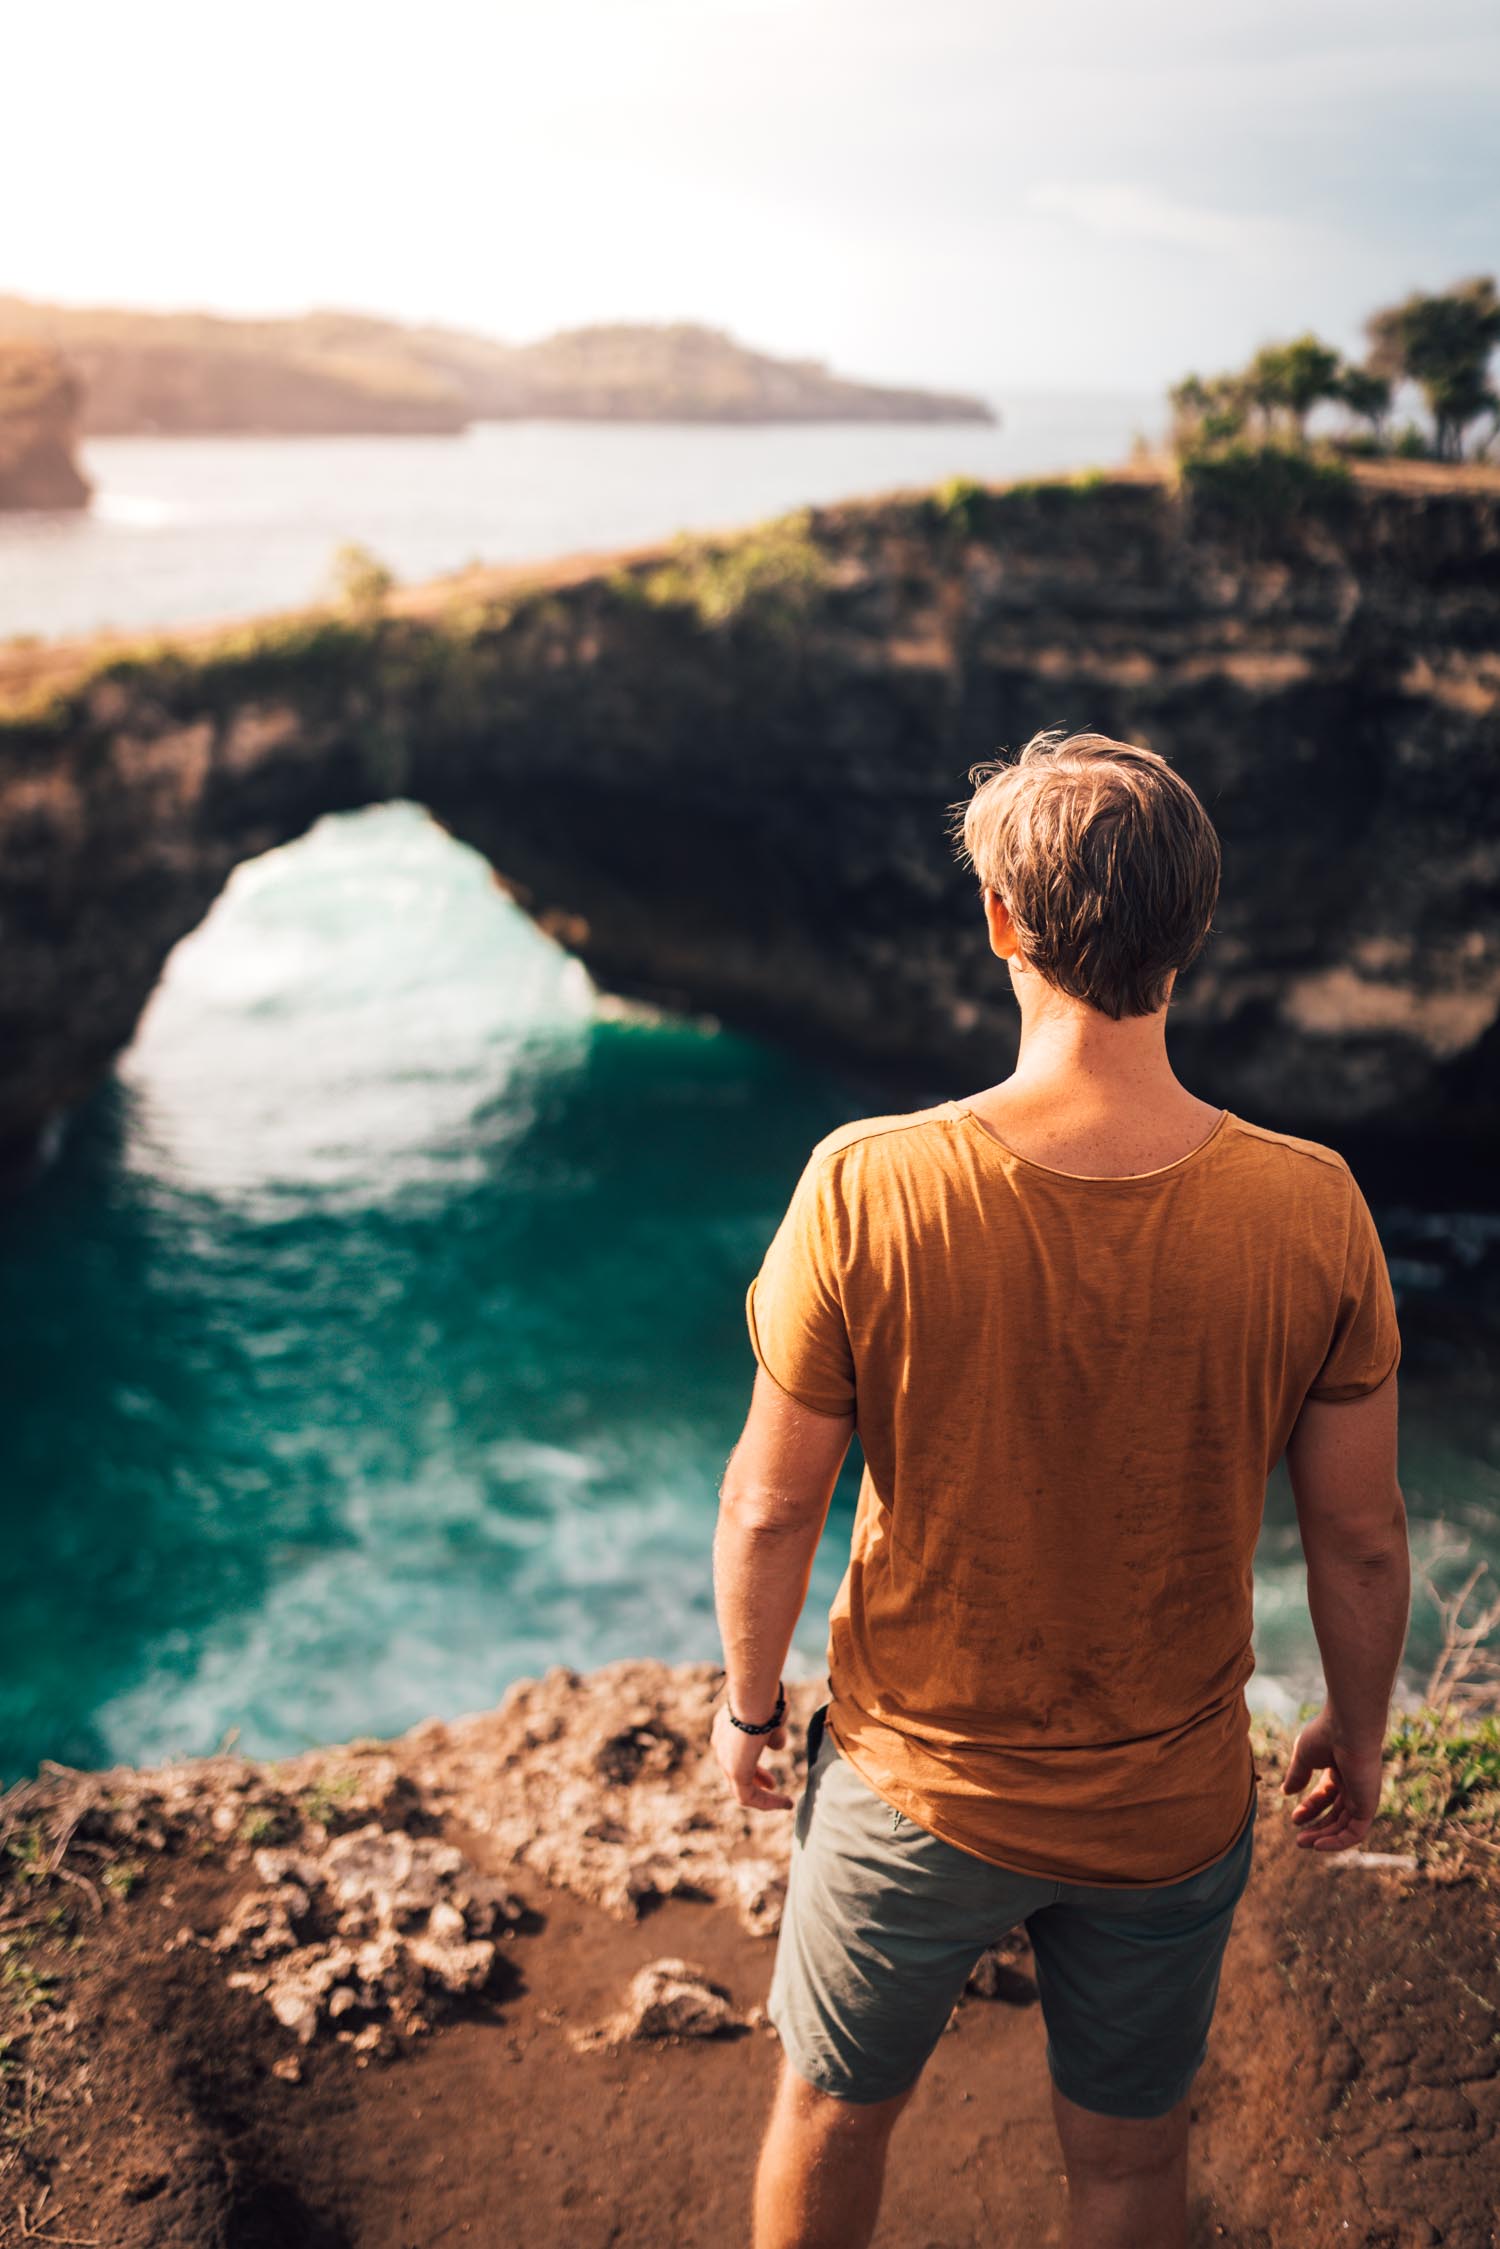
1105 860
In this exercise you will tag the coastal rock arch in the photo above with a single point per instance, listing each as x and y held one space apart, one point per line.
721 773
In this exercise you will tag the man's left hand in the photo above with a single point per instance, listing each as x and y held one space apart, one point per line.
740 1756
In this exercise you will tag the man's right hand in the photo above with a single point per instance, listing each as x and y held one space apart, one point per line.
1339 1813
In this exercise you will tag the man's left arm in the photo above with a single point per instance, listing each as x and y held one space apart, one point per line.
773 1503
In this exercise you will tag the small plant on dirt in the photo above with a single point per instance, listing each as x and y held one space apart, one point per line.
23 1988
27 1854
328 1796
124 1878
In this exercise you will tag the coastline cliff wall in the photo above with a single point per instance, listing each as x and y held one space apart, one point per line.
720 772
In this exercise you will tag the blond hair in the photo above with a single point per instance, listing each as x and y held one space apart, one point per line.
1105 860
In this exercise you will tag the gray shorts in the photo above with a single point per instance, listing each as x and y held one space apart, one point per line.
884 1921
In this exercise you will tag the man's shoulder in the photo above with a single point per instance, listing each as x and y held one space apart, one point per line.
901 1128
1291 1145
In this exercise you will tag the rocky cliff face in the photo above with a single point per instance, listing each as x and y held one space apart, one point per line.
721 772
39 406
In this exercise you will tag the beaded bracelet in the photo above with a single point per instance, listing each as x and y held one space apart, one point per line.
771 1724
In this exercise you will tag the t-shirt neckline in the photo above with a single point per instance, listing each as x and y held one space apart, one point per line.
963 1109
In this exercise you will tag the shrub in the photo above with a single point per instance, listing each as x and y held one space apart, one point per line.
361 582
1266 485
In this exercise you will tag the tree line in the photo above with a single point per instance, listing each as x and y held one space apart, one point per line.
1442 343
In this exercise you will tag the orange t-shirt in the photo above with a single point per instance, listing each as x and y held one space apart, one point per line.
1069 1393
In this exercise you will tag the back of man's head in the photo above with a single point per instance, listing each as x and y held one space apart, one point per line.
1105 860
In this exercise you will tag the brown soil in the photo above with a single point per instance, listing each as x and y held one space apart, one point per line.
1351 2095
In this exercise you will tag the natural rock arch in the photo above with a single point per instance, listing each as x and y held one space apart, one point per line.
721 776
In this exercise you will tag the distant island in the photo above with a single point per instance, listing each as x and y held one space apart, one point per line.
189 374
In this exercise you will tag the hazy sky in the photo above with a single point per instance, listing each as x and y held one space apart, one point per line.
1090 193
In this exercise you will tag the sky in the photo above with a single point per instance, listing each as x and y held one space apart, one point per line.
1073 194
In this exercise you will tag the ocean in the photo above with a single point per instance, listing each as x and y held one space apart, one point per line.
186 529
376 1336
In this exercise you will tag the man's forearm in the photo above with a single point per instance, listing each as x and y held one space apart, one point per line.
761 1573
1359 1607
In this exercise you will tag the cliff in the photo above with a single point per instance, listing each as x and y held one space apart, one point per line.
505 1979
39 400
719 771
188 374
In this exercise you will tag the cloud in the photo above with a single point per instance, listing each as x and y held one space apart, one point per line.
1133 213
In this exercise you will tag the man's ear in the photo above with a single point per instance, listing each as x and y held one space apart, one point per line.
1002 929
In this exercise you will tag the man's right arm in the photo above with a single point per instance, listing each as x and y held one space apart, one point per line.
1342 1458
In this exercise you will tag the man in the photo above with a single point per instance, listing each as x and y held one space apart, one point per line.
1075 1320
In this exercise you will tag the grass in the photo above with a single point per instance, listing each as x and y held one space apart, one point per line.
24 1988
329 1795
1443 1772
771 577
1265 486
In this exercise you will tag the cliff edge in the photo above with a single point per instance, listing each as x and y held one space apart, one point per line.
505 1979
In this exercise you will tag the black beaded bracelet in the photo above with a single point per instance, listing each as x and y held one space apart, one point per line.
771 1724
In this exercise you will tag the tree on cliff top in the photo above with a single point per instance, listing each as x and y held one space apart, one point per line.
1278 390
1291 379
1444 344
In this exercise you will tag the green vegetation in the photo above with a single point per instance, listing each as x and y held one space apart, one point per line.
1443 1772
360 580
960 506
23 1986
965 509
1256 419
1444 344
1262 485
770 578
330 1795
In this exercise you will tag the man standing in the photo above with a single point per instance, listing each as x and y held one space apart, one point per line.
1076 1320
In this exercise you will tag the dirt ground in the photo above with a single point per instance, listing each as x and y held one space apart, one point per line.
1352 2092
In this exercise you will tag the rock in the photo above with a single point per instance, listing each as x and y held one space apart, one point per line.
546 1778
265 1923
454 1967
1389 1862
40 398
760 1894
667 1998
368 1927
144 2186
996 1974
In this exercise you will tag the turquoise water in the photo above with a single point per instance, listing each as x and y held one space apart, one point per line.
377 1337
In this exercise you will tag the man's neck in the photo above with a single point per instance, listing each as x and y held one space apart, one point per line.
1094 1096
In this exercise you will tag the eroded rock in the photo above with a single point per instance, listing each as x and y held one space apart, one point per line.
606 1785
668 1998
374 1926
